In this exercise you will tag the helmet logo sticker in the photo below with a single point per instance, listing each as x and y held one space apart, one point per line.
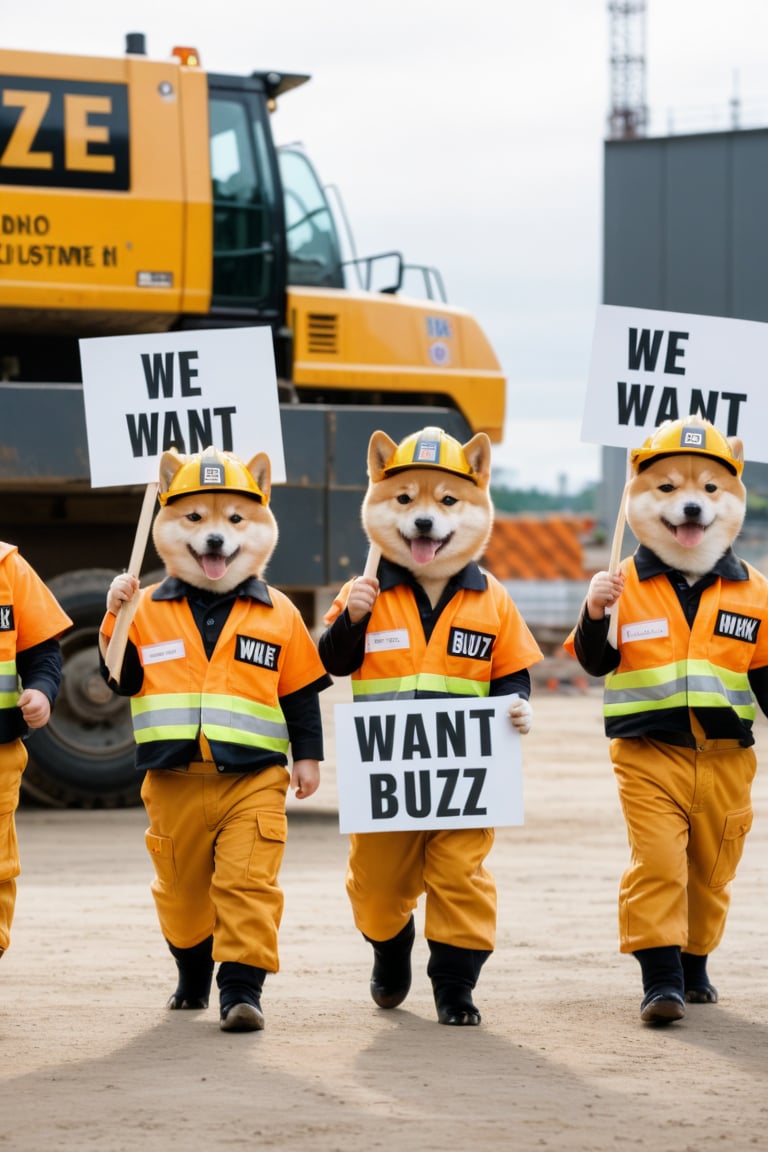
427 452
693 438
211 472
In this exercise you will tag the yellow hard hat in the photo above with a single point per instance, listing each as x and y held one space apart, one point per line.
678 438
209 471
430 448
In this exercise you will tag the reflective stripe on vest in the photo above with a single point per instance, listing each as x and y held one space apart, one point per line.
408 687
174 716
9 684
682 684
224 719
233 720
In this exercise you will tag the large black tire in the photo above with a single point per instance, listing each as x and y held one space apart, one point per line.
84 757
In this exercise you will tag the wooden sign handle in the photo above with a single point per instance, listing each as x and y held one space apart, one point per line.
618 534
615 558
372 563
116 648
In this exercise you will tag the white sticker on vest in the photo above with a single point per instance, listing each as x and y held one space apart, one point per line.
644 630
387 641
167 650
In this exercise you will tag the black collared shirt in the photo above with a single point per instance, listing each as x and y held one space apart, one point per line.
210 611
593 651
342 645
728 567
599 658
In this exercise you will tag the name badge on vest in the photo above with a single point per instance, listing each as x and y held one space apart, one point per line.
387 641
6 618
167 650
644 630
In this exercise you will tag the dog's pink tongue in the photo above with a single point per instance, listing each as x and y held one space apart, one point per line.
689 535
213 565
423 550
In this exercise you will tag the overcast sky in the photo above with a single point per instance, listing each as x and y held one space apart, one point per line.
470 137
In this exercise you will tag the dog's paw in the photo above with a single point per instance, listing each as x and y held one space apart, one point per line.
122 589
603 592
521 715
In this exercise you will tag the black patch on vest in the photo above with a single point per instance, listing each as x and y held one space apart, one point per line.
6 618
473 645
260 653
736 626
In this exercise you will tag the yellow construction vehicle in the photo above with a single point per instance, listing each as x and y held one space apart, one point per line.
140 195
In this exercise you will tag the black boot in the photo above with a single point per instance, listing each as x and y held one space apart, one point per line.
195 967
240 988
454 973
663 984
391 975
698 989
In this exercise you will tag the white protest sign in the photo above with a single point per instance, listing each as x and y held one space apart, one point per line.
187 390
426 764
650 366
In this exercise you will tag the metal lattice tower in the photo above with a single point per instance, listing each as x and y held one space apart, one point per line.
628 115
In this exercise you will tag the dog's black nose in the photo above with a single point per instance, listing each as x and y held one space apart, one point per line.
692 511
215 543
423 524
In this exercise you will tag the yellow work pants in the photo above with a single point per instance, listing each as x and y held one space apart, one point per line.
687 811
388 872
217 842
13 761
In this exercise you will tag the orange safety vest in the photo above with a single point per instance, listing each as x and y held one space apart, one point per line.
264 652
479 636
29 615
665 664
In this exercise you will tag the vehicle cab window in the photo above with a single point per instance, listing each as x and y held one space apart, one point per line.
314 253
243 206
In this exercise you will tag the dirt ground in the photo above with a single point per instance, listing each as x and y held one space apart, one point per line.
561 1061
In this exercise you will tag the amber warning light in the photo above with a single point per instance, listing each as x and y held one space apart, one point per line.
190 57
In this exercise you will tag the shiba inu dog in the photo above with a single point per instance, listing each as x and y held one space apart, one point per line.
687 508
431 520
212 538
224 679
685 657
429 622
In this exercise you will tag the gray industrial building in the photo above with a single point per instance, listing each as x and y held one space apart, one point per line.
685 231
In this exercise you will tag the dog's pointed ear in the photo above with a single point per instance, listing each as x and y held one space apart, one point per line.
260 468
170 462
380 449
478 454
737 447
